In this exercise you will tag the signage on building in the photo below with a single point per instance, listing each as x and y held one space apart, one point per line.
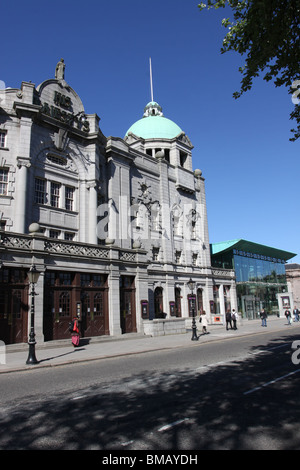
61 110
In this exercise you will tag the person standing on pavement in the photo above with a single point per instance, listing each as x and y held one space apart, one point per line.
234 317
203 321
228 320
75 332
288 316
263 315
296 314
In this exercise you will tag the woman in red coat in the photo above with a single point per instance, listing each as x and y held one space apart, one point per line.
75 332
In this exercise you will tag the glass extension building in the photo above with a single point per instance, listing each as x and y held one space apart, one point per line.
259 270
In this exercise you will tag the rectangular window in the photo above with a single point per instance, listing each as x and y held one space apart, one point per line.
65 279
69 196
40 191
54 233
69 236
3 181
2 139
54 194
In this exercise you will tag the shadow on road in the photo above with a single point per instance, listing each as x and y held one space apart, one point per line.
208 405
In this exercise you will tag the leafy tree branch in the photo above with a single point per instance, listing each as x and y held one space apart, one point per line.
267 32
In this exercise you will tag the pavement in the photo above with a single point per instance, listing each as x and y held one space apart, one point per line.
57 353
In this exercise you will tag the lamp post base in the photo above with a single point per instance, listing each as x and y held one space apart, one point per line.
194 336
31 355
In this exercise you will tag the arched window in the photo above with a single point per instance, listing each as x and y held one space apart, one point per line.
98 304
64 304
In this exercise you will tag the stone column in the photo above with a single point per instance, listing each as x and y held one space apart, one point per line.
114 295
82 211
221 300
166 240
92 212
20 203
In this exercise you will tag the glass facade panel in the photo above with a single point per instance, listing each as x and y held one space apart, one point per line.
250 269
259 278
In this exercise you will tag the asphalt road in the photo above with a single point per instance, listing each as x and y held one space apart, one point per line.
241 393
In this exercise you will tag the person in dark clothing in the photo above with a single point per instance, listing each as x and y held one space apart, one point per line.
288 316
263 316
228 320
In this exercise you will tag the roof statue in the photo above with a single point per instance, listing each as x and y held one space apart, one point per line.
60 70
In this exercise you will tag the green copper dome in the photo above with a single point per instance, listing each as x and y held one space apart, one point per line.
154 125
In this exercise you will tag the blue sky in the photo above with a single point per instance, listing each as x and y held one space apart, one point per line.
242 146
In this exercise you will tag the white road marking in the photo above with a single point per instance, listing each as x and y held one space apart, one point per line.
271 382
171 425
124 444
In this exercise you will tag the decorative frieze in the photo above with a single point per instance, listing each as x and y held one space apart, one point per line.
223 273
74 249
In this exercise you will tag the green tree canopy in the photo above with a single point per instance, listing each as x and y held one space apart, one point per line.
268 33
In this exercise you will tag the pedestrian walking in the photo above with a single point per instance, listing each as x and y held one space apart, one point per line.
228 320
296 314
263 316
288 316
203 321
234 317
74 329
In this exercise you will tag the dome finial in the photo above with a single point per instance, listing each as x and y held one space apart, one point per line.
153 109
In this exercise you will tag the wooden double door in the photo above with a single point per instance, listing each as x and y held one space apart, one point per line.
94 312
69 294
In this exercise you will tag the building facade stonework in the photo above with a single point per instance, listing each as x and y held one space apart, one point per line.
293 280
122 221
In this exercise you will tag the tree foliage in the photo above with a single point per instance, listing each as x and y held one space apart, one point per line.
268 33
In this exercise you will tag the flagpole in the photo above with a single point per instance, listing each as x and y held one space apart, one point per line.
151 83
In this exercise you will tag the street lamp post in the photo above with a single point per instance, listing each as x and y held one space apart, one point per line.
33 276
191 286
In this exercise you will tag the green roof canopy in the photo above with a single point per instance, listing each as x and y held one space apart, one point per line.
250 247
154 125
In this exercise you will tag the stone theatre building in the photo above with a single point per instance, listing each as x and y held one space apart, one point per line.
115 226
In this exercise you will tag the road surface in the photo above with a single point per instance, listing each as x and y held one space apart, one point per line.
240 393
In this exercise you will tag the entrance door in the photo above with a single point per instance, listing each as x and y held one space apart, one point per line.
127 304
67 294
63 313
177 302
14 308
249 306
93 313
57 313
158 303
